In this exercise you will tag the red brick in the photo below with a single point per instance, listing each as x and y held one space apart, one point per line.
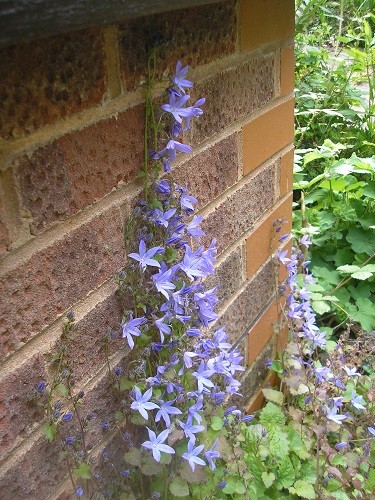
35 474
85 351
81 167
195 36
286 70
263 240
232 95
262 331
228 275
265 21
267 134
286 173
54 278
4 233
240 211
45 80
240 315
212 171
19 408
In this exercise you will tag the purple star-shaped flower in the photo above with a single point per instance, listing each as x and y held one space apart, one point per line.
176 106
193 229
142 403
162 280
130 329
165 410
357 401
211 454
192 455
155 444
144 257
202 376
331 414
178 78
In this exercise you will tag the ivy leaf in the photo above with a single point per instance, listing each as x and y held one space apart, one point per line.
83 471
178 487
49 431
274 396
133 457
303 489
268 479
217 423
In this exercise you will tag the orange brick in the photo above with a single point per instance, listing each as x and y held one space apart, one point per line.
261 332
286 173
267 134
261 243
287 70
265 21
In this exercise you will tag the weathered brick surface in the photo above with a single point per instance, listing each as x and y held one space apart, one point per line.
239 316
264 240
55 277
49 79
239 211
195 36
267 134
265 21
228 275
34 475
4 233
19 410
212 171
286 70
252 378
81 167
232 95
86 351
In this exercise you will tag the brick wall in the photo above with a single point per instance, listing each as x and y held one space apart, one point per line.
71 123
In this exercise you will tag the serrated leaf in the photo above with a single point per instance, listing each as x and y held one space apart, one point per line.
150 467
133 457
83 471
320 306
268 479
63 390
285 474
348 269
199 475
362 275
49 430
217 423
271 415
274 396
361 241
179 487
364 313
303 489
126 384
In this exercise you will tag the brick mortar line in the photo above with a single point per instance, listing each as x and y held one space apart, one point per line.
109 109
41 342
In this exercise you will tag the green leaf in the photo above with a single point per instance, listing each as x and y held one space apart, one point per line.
63 390
285 474
133 457
216 423
271 415
320 306
178 487
276 366
347 269
83 471
364 313
362 275
199 475
151 467
370 484
49 431
361 241
126 384
274 396
268 479
303 489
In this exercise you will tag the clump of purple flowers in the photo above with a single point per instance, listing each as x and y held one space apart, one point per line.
191 367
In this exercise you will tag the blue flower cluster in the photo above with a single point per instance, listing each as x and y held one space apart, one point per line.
187 365
335 379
